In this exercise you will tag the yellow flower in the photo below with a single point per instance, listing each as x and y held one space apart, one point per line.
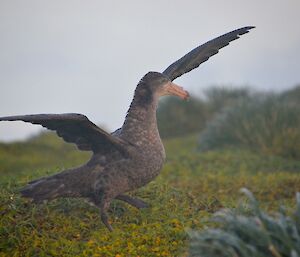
90 242
157 241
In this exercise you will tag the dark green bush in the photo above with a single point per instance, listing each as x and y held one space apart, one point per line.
218 98
262 122
178 118
292 95
249 232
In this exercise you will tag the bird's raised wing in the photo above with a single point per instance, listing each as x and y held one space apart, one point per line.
202 53
75 128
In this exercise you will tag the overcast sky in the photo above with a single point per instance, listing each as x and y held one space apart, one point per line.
63 56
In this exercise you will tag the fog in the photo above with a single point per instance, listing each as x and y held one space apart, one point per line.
88 56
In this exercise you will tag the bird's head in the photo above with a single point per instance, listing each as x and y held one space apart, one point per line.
155 85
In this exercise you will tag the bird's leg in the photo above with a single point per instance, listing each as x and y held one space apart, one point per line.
102 201
133 201
103 212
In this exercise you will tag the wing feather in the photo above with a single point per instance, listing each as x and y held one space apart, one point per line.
75 128
202 53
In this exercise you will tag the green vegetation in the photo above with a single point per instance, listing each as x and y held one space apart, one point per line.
177 118
45 152
191 187
250 232
264 122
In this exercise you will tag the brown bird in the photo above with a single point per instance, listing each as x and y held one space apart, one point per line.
128 158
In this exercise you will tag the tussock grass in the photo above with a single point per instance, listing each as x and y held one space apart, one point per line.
264 123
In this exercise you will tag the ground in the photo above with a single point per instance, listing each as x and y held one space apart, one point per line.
191 187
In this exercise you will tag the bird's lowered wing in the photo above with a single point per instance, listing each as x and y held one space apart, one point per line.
202 53
75 128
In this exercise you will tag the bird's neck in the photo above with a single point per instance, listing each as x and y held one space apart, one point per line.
140 124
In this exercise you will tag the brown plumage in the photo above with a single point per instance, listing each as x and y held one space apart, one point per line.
130 157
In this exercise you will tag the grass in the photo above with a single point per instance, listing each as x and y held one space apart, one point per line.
191 187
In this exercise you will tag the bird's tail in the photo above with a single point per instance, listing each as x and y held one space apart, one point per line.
44 189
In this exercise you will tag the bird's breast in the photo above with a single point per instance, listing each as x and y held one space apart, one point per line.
148 164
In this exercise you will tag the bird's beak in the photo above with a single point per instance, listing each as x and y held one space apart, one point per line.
173 89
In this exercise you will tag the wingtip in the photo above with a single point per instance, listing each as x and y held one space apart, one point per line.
244 30
249 27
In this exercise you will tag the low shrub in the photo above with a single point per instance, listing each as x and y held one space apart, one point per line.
249 232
